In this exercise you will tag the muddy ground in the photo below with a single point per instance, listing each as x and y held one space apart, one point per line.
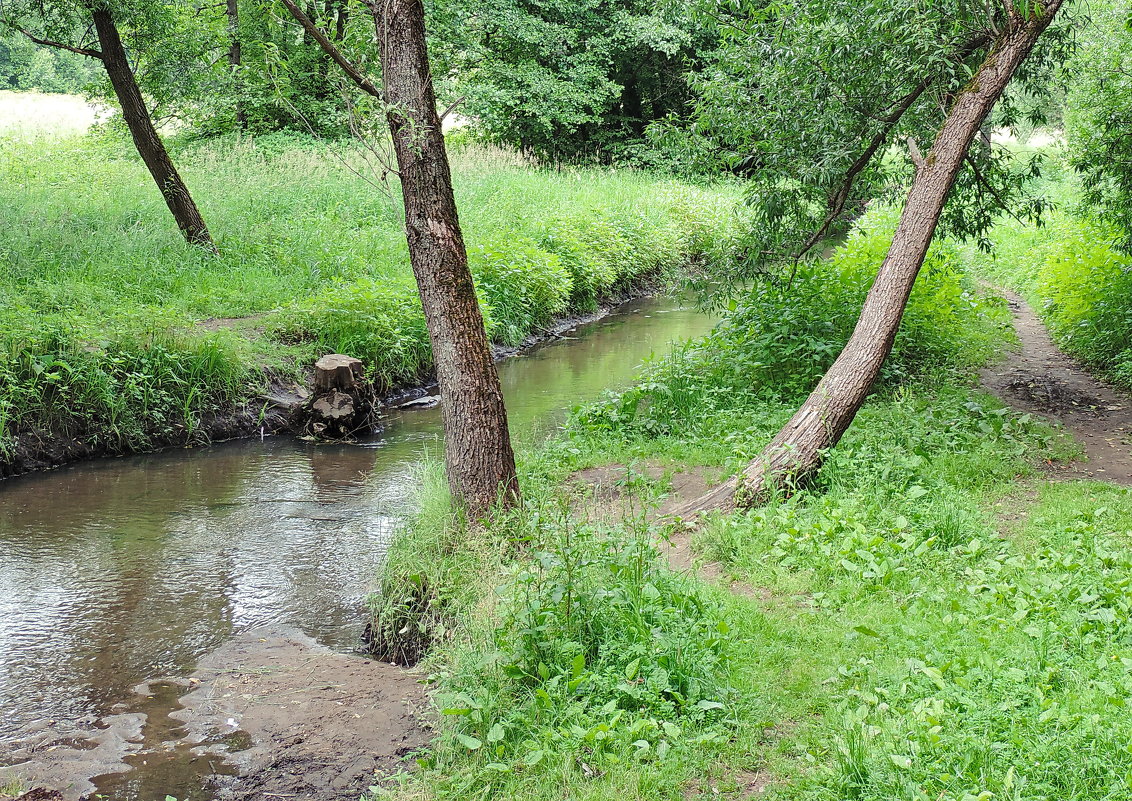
1042 380
270 715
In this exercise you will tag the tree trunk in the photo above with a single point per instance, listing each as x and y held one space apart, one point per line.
480 462
797 452
148 143
236 58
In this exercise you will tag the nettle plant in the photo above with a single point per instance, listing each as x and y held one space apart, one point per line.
599 650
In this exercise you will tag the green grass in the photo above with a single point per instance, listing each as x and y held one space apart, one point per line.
100 300
1070 271
931 620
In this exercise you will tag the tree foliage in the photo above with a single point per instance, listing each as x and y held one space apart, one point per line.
26 66
814 101
1099 119
565 80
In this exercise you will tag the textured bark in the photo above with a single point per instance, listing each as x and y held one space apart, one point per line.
479 458
148 143
236 57
797 451
337 371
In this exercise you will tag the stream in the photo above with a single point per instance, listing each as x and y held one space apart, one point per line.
119 571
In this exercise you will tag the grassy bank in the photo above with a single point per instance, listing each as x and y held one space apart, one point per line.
930 621
1074 277
115 332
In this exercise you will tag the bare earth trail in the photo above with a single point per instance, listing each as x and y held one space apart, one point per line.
1042 380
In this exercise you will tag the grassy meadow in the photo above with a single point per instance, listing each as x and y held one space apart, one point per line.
114 330
932 620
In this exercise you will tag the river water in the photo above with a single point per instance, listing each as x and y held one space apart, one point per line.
118 571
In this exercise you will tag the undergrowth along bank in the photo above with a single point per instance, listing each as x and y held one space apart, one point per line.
1073 275
900 628
115 336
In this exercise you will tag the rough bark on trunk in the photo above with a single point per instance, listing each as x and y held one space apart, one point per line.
480 461
478 455
236 58
797 451
148 143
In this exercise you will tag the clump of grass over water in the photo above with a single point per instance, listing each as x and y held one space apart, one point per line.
562 649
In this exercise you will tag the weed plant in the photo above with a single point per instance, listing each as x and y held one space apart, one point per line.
1072 274
101 302
780 338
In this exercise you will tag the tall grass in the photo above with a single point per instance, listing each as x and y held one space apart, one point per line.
94 277
1079 283
889 637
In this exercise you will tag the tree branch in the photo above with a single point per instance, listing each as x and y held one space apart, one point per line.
452 107
985 184
352 72
899 109
82 51
839 199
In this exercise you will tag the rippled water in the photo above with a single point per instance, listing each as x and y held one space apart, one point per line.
122 570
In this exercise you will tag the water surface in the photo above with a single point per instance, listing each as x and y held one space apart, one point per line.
118 571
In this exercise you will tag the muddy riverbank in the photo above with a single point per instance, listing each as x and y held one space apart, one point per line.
141 570
268 412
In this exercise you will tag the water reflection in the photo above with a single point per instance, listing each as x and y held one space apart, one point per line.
117 571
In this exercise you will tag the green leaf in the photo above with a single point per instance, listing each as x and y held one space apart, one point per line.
578 666
496 733
708 705
901 760
471 743
936 676
632 669
866 631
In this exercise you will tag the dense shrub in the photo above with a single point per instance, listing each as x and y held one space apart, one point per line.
524 286
570 261
1078 281
116 388
382 325
564 643
780 337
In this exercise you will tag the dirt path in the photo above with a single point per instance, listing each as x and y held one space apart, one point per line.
1042 380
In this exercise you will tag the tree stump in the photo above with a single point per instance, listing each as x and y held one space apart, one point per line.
336 371
342 403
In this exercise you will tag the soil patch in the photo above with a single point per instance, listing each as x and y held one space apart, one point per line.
321 724
270 715
246 325
1042 380
604 497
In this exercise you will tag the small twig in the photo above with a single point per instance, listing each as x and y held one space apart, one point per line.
914 154
324 42
983 182
452 107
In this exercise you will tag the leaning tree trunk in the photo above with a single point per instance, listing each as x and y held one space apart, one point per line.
479 458
797 452
149 144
